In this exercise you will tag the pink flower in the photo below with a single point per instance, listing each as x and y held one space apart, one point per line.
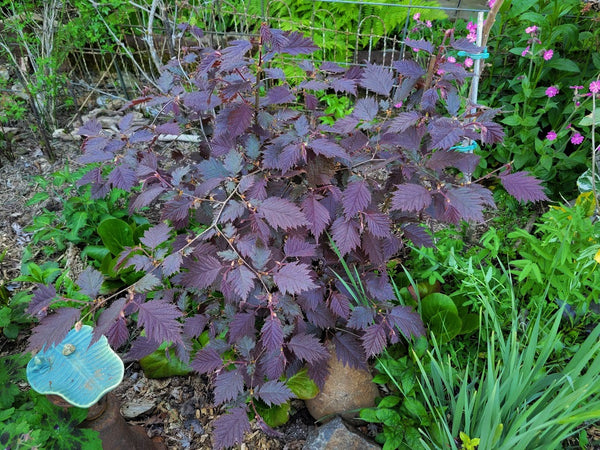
576 88
417 16
524 52
416 50
551 91
531 30
551 135
428 23
398 105
468 62
548 54
576 138
595 86
491 3
471 27
451 59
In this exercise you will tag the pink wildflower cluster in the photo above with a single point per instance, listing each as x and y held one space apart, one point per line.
551 91
417 18
472 29
532 30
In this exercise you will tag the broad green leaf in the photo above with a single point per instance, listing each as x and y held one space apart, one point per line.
77 221
566 65
441 316
512 121
116 234
591 119
158 365
97 252
369 415
387 416
389 401
302 385
274 416
416 408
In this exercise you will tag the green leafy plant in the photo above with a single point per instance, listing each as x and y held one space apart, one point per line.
72 215
30 420
559 259
12 313
521 397
543 81
402 412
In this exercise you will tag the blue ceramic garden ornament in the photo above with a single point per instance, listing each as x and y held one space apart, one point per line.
79 373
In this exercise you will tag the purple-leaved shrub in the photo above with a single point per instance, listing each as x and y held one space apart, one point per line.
243 248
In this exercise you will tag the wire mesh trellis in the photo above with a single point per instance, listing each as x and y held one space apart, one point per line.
148 35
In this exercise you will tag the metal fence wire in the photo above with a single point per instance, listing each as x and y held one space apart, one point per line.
353 32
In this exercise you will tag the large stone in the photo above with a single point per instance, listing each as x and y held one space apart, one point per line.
334 435
346 390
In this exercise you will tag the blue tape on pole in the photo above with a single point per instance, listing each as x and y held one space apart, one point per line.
483 55
464 148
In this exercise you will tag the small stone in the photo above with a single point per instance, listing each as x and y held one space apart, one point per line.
136 408
346 389
334 435
61 134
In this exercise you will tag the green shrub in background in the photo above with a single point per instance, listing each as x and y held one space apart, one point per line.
544 54
558 261
339 28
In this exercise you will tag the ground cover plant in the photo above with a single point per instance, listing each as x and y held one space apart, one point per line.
241 253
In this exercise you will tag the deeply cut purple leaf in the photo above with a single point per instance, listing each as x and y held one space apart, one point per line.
409 68
374 340
281 213
349 351
308 348
523 187
207 360
53 328
272 333
293 278
407 320
377 79
345 235
229 428
356 197
420 44
42 298
228 385
159 319
317 215
274 393
90 281
366 109
156 235
411 197
202 273
467 202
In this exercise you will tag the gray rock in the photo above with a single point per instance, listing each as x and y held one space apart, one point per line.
334 435
135 408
